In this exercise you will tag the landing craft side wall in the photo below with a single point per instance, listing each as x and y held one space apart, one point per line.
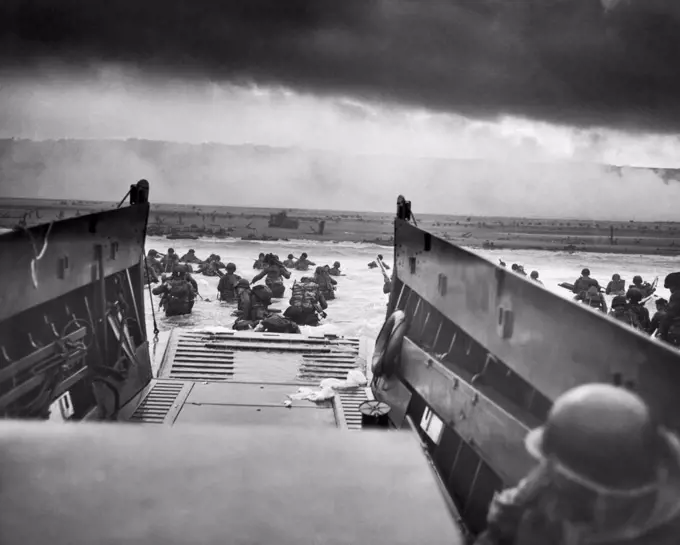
486 352
551 343
73 251
64 278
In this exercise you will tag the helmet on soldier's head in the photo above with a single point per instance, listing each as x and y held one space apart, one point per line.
672 281
336 264
637 279
243 283
602 437
634 294
231 267
619 301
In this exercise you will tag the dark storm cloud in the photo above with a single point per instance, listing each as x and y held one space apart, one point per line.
566 61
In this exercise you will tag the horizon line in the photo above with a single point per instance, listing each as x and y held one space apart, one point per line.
330 210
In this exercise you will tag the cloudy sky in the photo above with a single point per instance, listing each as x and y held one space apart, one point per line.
505 80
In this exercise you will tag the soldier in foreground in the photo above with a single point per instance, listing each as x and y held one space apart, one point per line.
669 326
607 474
178 293
253 304
307 303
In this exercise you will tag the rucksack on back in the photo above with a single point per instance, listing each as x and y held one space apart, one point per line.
263 294
304 295
178 289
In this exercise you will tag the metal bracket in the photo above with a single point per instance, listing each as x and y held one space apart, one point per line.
442 284
62 267
505 322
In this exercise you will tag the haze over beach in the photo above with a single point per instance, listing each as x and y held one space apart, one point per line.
480 108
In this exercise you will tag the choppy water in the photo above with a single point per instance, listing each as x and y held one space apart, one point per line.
360 305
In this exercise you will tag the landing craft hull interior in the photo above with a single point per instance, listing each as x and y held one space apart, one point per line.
485 354
482 355
218 456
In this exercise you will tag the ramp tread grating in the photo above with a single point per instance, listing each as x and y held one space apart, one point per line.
157 403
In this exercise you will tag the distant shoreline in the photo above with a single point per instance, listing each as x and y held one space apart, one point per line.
556 235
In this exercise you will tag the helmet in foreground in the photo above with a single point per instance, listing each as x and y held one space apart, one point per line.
603 438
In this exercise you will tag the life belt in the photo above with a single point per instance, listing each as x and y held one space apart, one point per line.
388 344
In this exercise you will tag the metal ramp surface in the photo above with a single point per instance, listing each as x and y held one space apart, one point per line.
244 356
232 377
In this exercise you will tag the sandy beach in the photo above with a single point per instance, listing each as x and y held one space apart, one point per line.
186 221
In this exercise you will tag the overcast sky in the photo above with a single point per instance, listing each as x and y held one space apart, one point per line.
519 80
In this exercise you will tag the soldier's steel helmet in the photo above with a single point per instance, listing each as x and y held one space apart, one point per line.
603 438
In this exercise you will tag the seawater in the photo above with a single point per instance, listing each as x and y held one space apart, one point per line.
360 305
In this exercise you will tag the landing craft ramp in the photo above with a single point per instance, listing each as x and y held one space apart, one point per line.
233 377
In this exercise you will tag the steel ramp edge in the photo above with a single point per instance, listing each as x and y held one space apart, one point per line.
200 355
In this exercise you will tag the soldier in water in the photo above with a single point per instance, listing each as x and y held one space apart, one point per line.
275 272
325 282
645 288
593 298
661 305
607 474
307 303
584 282
669 326
226 287
616 286
259 262
190 257
304 263
178 293
638 308
621 311
335 270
